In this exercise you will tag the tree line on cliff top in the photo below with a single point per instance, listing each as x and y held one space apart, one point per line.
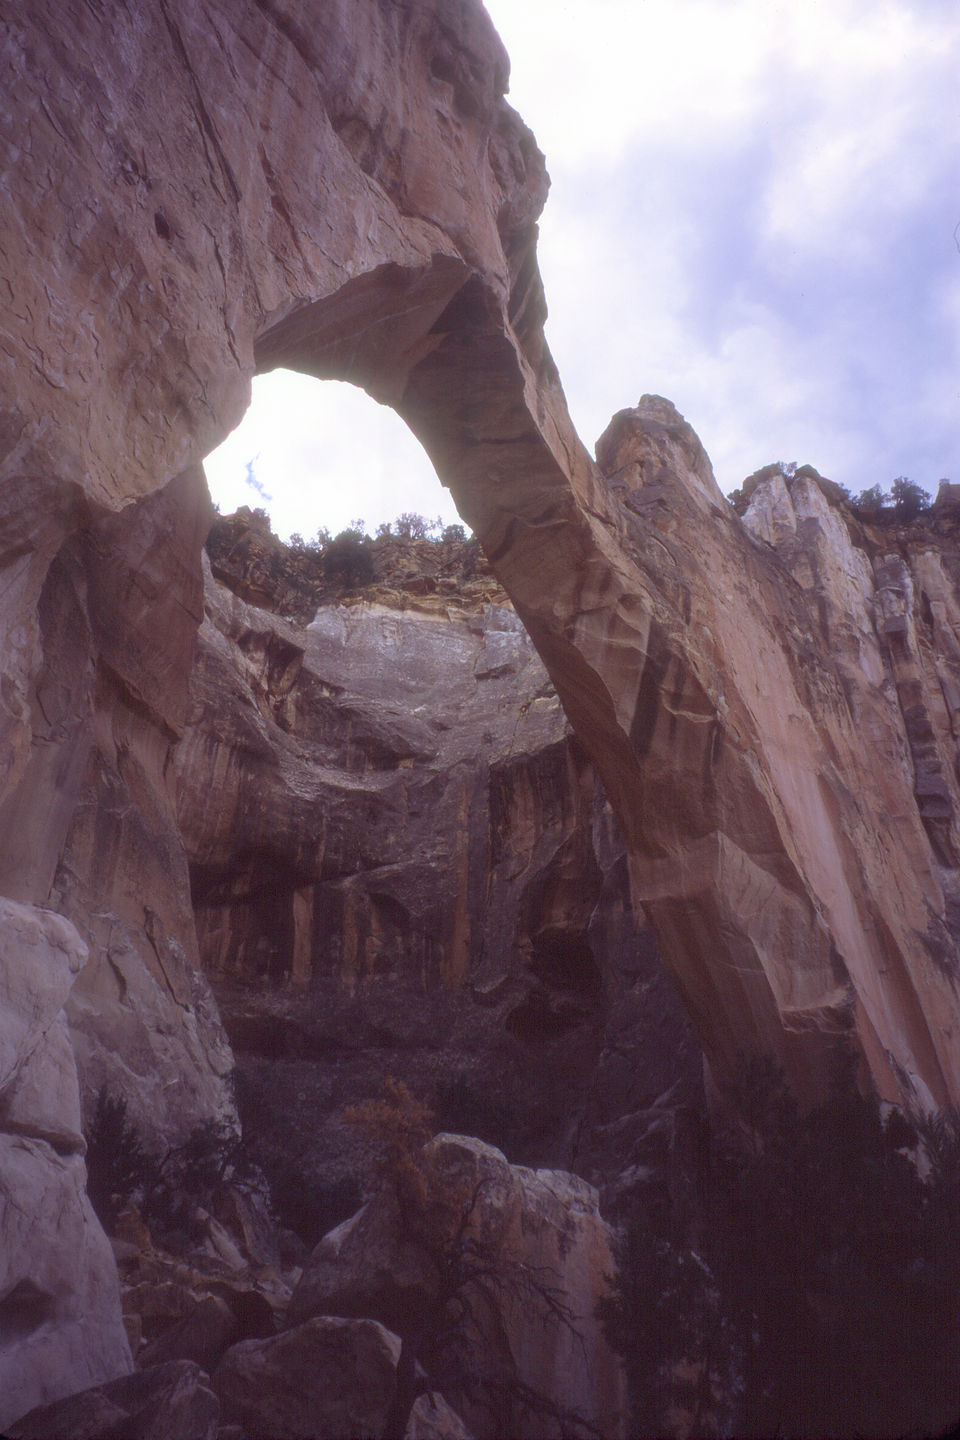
901 504
348 558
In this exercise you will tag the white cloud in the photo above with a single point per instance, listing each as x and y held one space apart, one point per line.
757 193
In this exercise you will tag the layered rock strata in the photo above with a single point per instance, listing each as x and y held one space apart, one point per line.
379 227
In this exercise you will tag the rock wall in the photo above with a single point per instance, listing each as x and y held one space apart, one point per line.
356 199
347 829
60 1326
405 858
799 860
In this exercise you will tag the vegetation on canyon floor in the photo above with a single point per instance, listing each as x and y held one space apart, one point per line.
167 1187
802 1277
469 1277
792 1273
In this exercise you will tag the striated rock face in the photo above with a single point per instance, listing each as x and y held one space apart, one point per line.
820 728
354 197
396 790
406 866
366 157
347 827
229 187
92 823
794 887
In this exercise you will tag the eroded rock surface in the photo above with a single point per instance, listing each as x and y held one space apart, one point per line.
406 866
354 197
328 1376
235 186
166 1402
794 887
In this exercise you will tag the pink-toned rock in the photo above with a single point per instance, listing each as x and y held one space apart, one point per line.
515 1259
233 187
379 227
167 1402
431 1418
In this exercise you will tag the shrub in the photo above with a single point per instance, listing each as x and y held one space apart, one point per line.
399 1125
908 498
348 561
903 504
117 1163
411 526
189 1175
168 1189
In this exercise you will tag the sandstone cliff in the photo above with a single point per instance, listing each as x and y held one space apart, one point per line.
811 867
405 865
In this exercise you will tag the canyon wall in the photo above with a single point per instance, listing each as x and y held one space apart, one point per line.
356 199
403 864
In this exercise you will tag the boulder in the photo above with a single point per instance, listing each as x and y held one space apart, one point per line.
203 1336
508 1263
431 1418
329 1377
166 1402
60 1321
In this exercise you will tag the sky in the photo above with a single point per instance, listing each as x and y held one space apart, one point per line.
754 211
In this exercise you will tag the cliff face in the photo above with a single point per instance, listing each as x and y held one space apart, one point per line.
399 853
348 827
793 695
379 227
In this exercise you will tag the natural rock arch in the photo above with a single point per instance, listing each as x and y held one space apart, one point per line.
347 192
